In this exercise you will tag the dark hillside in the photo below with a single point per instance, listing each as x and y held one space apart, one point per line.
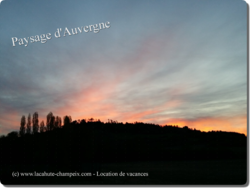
90 145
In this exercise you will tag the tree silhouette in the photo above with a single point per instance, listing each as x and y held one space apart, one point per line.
91 119
28 129
12 134
67 120
58 122
50 121
42 127
22 127
35 122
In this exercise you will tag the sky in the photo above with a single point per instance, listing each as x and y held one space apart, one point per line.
170 62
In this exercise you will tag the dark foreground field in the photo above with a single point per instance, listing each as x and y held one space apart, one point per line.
218 172
164 155
181 172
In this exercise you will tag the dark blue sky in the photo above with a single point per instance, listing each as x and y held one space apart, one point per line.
172 61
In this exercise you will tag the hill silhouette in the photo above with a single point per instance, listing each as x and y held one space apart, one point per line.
87 146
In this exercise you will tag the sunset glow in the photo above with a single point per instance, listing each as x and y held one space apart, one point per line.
165 62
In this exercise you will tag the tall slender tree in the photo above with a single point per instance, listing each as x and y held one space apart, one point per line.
59 122
35 123
42 127
50 121
28 129
67 120
56 122
22 127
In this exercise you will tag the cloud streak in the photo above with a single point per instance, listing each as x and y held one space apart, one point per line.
181 66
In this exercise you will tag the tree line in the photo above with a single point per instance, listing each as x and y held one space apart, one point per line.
32 126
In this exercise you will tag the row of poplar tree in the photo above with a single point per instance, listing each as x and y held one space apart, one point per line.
33 126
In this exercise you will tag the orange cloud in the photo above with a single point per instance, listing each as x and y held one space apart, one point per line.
95 95
229 124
